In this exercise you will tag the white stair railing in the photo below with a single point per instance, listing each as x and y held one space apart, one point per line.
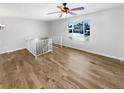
39 46
57 40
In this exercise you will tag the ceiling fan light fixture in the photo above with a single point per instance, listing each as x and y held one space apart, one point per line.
67 14
64 14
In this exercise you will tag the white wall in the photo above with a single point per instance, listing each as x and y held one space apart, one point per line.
17 30
107 32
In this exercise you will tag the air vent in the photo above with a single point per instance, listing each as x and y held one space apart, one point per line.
2 26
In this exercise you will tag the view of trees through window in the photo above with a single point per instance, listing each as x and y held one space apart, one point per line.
79 30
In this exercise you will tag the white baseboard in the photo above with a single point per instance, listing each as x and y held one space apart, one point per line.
121 59
9 51
30 51
118 58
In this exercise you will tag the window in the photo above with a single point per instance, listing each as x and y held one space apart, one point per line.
79 30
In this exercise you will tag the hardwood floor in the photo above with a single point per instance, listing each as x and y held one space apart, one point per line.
63 68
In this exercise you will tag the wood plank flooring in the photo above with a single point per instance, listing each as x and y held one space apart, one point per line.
64 68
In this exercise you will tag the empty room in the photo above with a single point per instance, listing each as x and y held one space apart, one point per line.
61 46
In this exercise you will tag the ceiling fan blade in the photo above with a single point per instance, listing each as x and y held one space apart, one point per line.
53 13
72 13
78 8
60 7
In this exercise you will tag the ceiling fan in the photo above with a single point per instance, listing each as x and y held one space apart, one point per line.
64 10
